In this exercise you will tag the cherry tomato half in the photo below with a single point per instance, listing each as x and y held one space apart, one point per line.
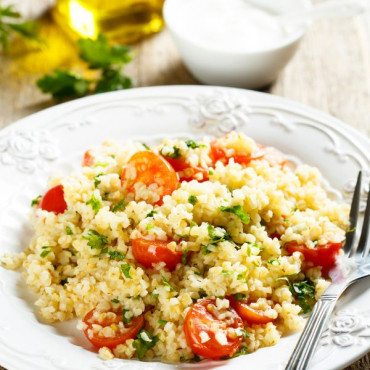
200 319
150 168
322 255
219 154
247 313
53 200
88 160
188 172
148 252
132 328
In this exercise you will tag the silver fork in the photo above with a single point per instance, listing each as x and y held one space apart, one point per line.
354 266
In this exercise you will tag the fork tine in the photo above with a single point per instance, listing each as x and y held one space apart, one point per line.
353 217
363 246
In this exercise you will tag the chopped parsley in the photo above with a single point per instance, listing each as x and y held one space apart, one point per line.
99 164
184 256
239 296
303 291
238 211
174 155
115 300
126 270
149 226
274 262
216 238
241 352
95 203
144 342
193 145
192 199
295 208
241 276
36 201
147 147
126 320
154 295
120 206
151 213
96 179
115 255
206 249
227 273
69 230
162 322
166 283
95 240
46 250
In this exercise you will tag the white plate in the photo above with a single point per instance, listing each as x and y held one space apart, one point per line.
53 142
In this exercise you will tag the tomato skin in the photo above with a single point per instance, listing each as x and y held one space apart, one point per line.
53 200
218 154
198 319
179 165
88 160
247 313
324 255
150 168
148 252
133 328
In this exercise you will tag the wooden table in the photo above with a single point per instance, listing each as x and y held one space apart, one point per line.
331 72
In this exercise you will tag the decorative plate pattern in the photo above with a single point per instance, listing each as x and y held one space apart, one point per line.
53 142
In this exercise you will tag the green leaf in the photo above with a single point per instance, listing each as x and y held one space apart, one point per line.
238 211
191 144
184 256
46 250
63 84
166 283
151 213
115 300
69 230
112 80
120 206
149 226
239 296
147 147
95 203
227 273
144 342
126 270
192 199
174 155
162 322
36 201
115 255
96 179
241 352
242 275
154 295
274 261
99 54
216 238
95 240
126 320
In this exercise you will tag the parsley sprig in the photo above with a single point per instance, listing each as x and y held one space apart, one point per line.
238 211
10 24
144 342
99 55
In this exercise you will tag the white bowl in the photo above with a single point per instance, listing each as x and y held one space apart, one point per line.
248 69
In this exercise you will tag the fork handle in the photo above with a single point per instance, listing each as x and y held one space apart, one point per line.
308 341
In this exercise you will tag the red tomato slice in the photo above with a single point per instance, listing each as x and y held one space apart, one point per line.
219 154
247 313
148 252
275 235
88 160
53 200
132 328
200 319
150 168
188 172
322 255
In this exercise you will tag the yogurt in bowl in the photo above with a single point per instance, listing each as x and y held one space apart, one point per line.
236 43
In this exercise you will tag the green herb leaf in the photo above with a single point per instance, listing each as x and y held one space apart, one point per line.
126 270
95 203
96 179
63 84
36 201
149 226
184 256
241 352
238 211
115 255
166 283
112 80
154 295
95 240
242 275
99 54
46 250
174 155
115 300
69 230
162 322
215 238
144 342
239 296
120 206
192 199
191 144
126 320
274 261
147 147
151 213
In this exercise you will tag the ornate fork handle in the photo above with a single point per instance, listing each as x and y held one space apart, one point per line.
309 339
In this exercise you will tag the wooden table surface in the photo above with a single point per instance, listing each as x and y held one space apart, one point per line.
330 71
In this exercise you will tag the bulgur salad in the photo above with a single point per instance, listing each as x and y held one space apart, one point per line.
189 250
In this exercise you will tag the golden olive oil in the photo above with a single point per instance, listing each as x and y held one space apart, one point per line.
126 21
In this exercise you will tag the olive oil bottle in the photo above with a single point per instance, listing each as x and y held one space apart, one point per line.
126 21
